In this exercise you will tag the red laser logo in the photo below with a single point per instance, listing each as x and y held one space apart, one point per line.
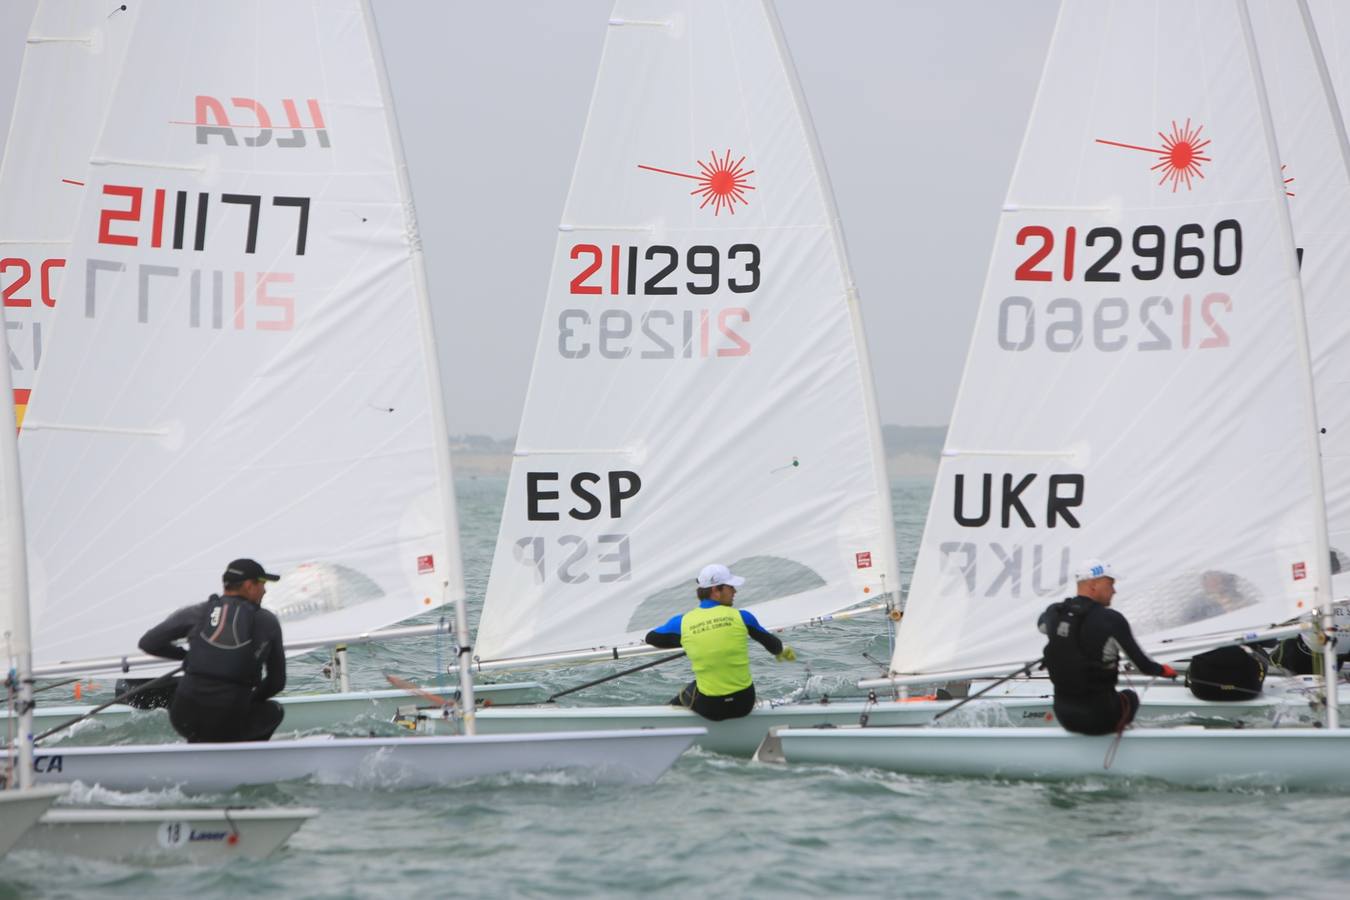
1179 157
721 182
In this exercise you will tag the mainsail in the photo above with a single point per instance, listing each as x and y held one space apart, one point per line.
700 391
1136 387
71 59
242 362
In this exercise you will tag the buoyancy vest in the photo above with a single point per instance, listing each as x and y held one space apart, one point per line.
717 643
1074 669
220 646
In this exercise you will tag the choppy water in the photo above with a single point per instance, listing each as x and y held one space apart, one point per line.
727 827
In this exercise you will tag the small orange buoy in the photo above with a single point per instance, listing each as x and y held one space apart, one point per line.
78 690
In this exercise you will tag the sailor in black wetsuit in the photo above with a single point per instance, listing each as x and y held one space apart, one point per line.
223 695
1086 639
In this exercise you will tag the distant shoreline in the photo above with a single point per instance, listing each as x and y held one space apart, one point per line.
480 465
911 451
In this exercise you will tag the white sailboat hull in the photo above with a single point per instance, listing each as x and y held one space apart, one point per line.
1285 701
20 810
1300 758
311 712
165 835
1028 704
638 757
734 737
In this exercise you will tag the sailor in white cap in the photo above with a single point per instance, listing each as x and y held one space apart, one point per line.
1086 640
715 637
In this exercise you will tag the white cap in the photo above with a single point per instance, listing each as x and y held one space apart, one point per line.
712 576
1088 569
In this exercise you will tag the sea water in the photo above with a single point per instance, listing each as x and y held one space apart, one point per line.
717 826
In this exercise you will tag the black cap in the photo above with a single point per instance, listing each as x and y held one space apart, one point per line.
247 570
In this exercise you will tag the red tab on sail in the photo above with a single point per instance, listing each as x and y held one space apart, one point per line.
425 564
1300 571
20 406
864 560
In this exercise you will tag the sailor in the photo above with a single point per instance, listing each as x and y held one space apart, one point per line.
715 637
231 640
1086 639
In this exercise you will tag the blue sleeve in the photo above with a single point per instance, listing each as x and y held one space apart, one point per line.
757 631
671 627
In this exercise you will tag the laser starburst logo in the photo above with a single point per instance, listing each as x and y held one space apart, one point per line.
1179 157
721 182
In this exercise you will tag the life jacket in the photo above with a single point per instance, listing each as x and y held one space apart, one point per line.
717 643
1074 669
220 645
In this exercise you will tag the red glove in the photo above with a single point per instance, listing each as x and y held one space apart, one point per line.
1168 671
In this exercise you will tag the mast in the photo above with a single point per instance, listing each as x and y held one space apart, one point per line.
453 584
15 584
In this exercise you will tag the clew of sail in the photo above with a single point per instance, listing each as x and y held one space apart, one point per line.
700 390
241 364
1133 389
72 55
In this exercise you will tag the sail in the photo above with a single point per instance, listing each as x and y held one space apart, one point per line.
243 363
1319 195
1133 389
71 59
700 390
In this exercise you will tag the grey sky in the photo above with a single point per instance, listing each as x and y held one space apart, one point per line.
919 106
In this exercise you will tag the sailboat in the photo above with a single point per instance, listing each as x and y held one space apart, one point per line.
75 52
20 807
249 361
1138 388
66 35
701 389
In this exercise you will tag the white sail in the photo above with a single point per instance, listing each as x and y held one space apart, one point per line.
1134 388
1319 196
71 59
241 364
700 390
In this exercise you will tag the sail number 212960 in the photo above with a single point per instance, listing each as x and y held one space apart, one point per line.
1190 249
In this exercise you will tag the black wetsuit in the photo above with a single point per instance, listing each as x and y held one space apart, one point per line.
1085 642
223 695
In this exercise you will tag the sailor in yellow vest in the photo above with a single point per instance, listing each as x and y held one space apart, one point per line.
715 637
